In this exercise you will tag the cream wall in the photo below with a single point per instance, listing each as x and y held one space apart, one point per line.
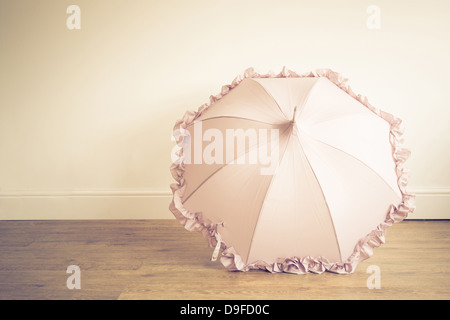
86 115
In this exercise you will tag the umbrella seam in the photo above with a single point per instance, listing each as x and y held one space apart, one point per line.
325 199
305 101
267 191
234 117
276 102
362 162
226 164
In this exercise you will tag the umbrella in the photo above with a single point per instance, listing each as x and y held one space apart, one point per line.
290 173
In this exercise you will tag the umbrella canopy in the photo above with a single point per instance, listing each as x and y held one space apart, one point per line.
290 173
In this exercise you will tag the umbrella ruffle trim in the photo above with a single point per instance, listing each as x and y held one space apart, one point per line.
194 221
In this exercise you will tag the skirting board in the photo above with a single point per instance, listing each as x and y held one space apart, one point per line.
432 203
85 205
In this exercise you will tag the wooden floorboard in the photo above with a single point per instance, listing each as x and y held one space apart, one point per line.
159 259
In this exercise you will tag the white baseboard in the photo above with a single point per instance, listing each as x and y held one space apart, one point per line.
85 205
432 203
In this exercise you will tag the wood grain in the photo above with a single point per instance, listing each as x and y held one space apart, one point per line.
159 259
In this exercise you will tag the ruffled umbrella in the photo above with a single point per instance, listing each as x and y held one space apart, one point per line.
290 173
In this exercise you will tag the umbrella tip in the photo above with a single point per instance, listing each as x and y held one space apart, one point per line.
293 117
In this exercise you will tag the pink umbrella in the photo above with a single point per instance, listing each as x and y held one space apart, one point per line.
290 173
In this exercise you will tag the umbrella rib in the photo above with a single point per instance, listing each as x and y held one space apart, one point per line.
226 164
276 102
306 100
352 156
235 117
325 199
267 191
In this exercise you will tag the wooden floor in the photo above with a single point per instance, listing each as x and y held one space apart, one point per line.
159 259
